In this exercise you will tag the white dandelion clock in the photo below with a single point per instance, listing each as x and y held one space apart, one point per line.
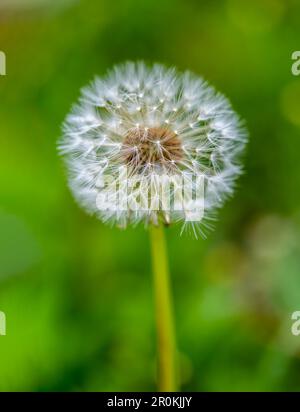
155 146
142 126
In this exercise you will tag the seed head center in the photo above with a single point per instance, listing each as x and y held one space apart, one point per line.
156 146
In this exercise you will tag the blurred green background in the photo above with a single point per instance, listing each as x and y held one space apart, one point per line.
78 295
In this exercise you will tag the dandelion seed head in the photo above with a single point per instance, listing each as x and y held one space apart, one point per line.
151 120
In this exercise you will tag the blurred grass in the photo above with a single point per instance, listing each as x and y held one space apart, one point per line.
78 295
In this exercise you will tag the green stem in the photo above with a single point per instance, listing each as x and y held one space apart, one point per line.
164 316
